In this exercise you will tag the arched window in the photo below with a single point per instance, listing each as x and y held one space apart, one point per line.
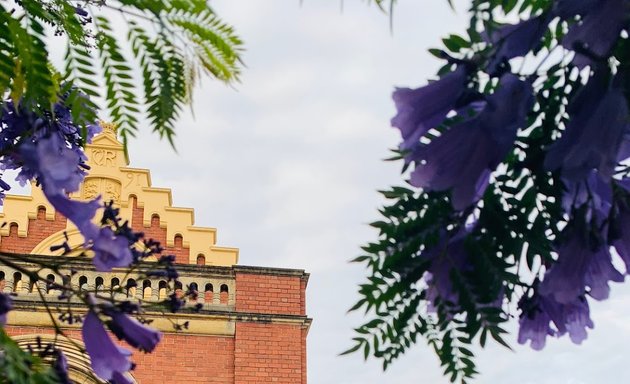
131 288
208 293
178 289
83 283
162 290
115 284
17 281
32 285
201 259
51 279
99 284
193 290
223 295
178 240
146 290
155 220
13 229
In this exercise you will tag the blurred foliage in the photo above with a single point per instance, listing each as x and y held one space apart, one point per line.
173 43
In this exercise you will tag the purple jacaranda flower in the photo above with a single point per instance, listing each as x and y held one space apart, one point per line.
515 40
593 191
584 144
621 229
447 255
55 166
534 321
596 33
120 378
423 108
582 262
445 260
572 318
110 251
80 213
464 156
106 357
542 316
133 332
567 9
6 304
60 366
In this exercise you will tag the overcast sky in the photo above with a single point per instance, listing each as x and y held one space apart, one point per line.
286 164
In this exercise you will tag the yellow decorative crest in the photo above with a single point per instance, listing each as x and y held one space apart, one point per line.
108 127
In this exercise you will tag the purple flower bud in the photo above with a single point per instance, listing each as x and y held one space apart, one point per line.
80 11
107 359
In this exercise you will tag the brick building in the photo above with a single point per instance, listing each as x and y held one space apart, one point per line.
252 327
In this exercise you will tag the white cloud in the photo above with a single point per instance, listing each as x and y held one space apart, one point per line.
286 165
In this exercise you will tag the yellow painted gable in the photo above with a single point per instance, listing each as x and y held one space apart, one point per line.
111 177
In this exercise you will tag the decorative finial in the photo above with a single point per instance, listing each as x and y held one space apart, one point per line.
108 127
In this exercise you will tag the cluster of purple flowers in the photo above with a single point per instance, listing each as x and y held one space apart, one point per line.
456 138
48 147
109 361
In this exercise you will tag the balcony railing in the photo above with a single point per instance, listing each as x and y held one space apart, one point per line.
215 285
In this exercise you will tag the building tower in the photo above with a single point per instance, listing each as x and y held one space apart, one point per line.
252 325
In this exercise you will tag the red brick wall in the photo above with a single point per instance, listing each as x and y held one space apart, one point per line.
38 230
259 293
177 359
269 353
156 233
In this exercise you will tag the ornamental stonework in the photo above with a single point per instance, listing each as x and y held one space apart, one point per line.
108 189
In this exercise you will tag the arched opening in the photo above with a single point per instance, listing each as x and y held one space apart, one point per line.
224 294
178 289
3 282
32 285
162 290
208 293
193 290
17 282
146 290
131 288
50 280
13 229
41 213
99 284
155 220
179 241
115 284
201 259
83 283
